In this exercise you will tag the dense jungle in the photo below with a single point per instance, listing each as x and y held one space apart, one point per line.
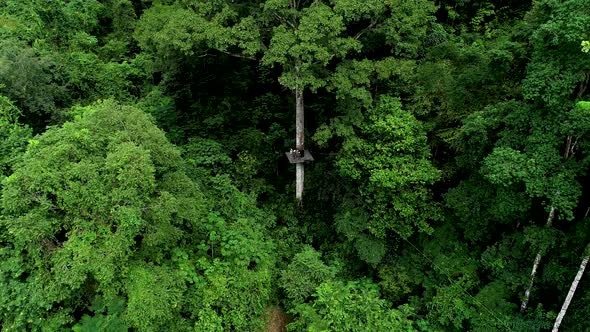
149 151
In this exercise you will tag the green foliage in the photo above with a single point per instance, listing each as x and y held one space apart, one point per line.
107 317
407 26
20 20
389 163
303 275
399 278
13 137
554 71
445 134
230 269
454 277
506 166
161 108
63 56
207 156
90 78
97 208
307 44
190 28
94 182
154 294
30 79
352 306
482 208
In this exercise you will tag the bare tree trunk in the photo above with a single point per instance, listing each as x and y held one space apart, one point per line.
299 143
572 290
527 293
569 150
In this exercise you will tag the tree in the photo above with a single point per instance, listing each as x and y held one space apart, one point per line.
303 275
350 306
305 38
57 53
573 287
581 123
13 137
387 160
304 43
544 161
450 143
32 80
101 211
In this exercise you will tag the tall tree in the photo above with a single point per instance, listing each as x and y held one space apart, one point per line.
572 291
387 162
303 37
308 37
13 137
102 220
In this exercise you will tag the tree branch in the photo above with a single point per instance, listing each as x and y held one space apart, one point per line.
236 55
282 19
365 30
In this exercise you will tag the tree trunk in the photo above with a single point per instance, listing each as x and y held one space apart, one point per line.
573 287
299 143
527 293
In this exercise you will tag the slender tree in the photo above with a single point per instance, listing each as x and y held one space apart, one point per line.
527 293
572 290
307 38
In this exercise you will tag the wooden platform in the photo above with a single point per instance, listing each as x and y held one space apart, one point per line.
293 159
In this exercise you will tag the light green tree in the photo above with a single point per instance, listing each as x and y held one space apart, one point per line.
388 161
13 137
351 306
303 275
101 210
